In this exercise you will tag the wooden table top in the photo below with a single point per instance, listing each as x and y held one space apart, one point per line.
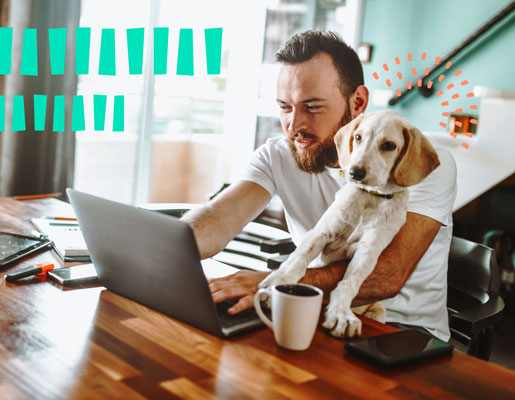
90 343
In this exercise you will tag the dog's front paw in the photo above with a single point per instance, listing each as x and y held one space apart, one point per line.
278 278
341 323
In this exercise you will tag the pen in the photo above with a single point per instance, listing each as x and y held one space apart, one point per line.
34 270
61 218
37 196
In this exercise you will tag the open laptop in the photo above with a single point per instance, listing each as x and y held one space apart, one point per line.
153 259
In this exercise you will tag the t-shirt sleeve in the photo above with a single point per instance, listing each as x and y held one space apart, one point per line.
435 195
259 169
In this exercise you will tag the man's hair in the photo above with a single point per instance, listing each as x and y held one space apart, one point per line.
304 46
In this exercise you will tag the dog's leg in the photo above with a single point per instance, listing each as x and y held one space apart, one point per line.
293 269
339 317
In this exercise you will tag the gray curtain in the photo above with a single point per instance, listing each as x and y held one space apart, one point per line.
39 162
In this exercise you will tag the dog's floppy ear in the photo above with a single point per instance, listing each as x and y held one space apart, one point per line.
416 160
343 140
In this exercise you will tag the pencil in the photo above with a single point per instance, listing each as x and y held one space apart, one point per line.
62 218
37 196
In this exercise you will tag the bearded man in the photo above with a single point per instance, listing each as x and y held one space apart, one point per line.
320 88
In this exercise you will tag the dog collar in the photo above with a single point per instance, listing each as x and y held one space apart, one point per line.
375 193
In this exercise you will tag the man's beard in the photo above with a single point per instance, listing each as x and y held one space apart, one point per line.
324 155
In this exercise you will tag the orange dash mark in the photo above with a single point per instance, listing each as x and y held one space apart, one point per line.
375 75
397 60
426 71
439 93
471 94
465 145
473 107
429 84
445 114
450 85
458 72
468 134
424 56
385 66
388 83
398 92
440 78
414 71
443 124
408 85
455 96
437 60
445 103
473 121
465 82
448 65
419 82
410 56
458 124
399 75
459 110
453 134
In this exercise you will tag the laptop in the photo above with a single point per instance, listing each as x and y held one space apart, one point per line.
153 259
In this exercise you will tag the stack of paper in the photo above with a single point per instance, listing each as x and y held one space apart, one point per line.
67 237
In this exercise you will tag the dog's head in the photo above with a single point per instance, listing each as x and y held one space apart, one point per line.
382 151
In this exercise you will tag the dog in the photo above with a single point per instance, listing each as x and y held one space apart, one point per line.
380 154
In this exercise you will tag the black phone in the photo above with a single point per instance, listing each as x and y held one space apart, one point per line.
398 348
77 275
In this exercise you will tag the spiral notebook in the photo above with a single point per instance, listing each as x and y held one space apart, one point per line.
67 237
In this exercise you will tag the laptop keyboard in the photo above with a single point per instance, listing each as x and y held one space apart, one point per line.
228 320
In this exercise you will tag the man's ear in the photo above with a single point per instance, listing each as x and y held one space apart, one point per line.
343 140
417 159
358 101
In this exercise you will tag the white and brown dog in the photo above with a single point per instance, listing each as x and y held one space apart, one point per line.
381 155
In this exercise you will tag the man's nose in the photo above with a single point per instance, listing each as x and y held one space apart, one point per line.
297 123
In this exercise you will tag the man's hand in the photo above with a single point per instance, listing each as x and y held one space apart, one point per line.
242 284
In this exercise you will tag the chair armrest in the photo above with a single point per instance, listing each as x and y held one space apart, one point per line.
473 320
281 246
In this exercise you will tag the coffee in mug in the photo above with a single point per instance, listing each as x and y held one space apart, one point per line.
295 312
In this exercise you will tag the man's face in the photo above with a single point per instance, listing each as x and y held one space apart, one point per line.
313 108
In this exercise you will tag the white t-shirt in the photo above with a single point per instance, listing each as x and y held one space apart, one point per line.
422 300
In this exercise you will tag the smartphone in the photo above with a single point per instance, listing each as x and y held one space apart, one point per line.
399 348
77 275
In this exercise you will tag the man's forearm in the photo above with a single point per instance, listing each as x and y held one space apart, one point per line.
210 232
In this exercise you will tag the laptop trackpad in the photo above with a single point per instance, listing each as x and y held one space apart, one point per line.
215 269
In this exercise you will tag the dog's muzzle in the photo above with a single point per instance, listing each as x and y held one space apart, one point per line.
357 174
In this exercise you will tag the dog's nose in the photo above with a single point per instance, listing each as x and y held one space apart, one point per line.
357 173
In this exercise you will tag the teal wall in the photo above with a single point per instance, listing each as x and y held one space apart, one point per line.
397 27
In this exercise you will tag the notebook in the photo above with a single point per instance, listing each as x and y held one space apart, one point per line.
153 259
67 237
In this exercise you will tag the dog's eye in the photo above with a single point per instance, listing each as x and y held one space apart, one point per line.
388 146
357 138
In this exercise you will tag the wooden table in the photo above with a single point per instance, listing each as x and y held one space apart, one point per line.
90 343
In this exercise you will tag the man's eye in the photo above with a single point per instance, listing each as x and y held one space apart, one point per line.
357 138
388 146
311 108
284 108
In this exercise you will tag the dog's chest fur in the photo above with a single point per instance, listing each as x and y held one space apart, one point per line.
355 212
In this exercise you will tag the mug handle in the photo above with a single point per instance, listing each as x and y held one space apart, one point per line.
257 306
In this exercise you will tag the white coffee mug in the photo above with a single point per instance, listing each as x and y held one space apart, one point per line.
295 312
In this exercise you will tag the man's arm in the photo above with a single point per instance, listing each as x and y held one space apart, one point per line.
393 269
217 222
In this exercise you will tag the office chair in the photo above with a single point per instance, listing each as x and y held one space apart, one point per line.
473 300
